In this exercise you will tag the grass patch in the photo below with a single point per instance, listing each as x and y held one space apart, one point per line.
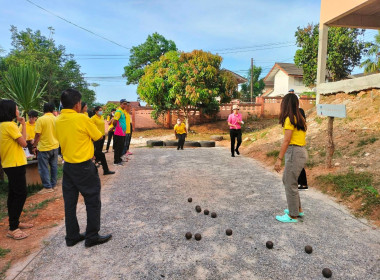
37 206
322 153
318 120
273 153
360 185
367 141
4 270
3 252
311 163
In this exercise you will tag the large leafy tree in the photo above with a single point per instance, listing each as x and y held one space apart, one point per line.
58 70
145 54
258 84
372 63
186 81
22 84
344 51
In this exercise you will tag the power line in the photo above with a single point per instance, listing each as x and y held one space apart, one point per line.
259 49
85 29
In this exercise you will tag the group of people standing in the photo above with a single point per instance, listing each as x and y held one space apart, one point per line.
80 139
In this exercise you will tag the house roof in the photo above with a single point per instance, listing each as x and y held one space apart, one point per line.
289 69
240 79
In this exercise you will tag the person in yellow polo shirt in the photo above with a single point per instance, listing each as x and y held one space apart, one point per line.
47 145
30 126
98 120
180 133
13 160
111 129
293 149
75 133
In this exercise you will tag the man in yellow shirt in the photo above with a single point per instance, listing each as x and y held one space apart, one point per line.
47 145
30 126
128 131
111 128
75 133
180 133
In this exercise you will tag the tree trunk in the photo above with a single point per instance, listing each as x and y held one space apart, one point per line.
330 143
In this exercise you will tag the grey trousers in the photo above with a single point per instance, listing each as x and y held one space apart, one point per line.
295 161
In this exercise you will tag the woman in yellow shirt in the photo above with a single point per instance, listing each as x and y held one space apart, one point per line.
98 120
293 148
13 160
30 125
180 133
84 108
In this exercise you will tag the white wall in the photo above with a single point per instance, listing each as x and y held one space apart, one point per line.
281 82
298 89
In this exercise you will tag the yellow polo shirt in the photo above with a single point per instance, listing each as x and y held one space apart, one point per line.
128 121
298 136
86 114
110 127
99 122
75 133
29 130
180 129
11 153
45 126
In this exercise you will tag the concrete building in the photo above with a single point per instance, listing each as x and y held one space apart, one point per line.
345 13
281 78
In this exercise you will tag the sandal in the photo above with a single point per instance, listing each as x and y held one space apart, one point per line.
286 219
24 225
17 234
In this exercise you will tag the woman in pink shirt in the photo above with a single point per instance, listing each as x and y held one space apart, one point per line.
235 120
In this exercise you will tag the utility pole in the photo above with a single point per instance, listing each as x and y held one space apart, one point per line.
251 80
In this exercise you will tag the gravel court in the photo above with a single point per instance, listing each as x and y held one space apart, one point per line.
145 207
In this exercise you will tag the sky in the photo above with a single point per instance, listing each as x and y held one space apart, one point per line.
237 30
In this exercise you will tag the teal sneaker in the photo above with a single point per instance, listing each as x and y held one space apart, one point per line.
300 214
286 219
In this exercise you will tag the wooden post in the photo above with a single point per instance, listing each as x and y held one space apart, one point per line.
330 143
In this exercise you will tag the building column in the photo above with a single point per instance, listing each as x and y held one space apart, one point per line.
322 55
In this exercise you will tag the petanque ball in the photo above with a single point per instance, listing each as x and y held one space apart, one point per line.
229 232
198 236
206 212
213 215
308 249
326 272
188 235
189 199
198 209
269 244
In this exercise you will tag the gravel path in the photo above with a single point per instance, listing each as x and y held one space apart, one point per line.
145 207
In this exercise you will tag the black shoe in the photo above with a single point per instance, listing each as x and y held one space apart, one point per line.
232 155
303 188
73 243
181 148
109 172
237 152
178 148
100 240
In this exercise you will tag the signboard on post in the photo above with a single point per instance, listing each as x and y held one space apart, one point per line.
331 110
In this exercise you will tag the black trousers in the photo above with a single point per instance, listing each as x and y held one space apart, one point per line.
129 139
235 133
99 155
109 138
181 140
16 194
302 180
118 146
81 178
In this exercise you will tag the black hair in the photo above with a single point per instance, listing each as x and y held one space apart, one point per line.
49 108
97 108
113 110
7 110
290 108
33 114
70 97
82 105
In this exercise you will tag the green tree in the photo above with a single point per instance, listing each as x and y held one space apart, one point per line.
186 82
258 84
22 85
344 51
372 63
58 69
145 54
